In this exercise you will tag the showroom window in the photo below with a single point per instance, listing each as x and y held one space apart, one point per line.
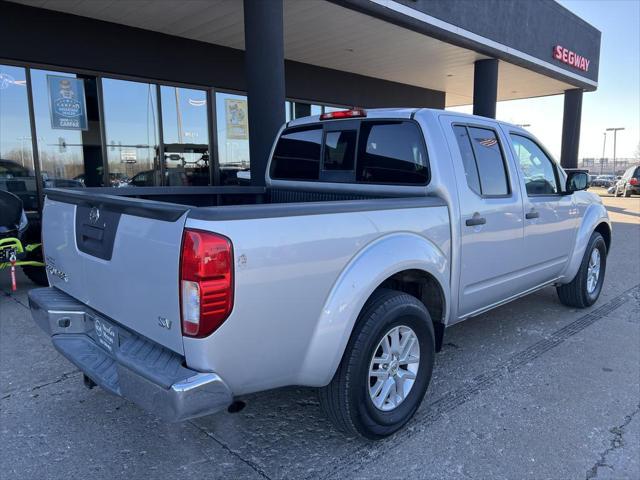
185 136
131 131
232 122
16 153
61 143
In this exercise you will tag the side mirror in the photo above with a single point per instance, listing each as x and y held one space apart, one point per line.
576 181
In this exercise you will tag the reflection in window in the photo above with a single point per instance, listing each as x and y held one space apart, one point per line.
130 117
297 154
16 155
287 110
328 109
340 150
391 152
491 168
60 150
232 122
468 158
537 168
185 135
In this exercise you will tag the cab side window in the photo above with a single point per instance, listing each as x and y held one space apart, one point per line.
483 162
539 171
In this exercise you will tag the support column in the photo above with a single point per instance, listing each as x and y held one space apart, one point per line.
485 87
264 67
571 119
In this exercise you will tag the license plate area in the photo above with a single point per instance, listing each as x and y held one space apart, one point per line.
6 253
106 334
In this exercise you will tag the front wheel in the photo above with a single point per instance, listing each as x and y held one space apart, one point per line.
386 367
585 288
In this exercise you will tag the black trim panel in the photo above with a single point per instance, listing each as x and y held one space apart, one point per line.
168 212
246 212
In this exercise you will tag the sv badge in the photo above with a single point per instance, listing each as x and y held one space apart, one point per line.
164 323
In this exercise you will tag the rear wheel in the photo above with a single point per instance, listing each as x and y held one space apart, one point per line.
627 192
585 288
37 275
386 367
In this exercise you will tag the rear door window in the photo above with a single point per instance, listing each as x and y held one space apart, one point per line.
297 154
491 167
468 158
391 152
483 161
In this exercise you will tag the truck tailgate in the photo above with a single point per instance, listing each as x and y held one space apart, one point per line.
119 256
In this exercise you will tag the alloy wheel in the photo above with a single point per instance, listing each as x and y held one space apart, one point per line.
394 368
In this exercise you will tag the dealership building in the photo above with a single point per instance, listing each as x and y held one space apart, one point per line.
181 93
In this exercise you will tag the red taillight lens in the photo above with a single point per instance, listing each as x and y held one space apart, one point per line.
633 181
353 113
206 282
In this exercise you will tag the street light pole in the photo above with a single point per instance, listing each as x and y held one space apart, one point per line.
604 144
615 131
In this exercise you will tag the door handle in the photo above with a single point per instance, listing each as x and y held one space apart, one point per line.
475 220
532 214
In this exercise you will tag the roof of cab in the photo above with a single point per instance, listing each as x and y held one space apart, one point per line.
399 113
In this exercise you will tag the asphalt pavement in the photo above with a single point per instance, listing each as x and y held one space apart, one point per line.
531 390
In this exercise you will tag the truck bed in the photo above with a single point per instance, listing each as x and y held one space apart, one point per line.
170 203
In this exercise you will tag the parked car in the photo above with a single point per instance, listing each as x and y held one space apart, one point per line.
629 183
375 232
604 181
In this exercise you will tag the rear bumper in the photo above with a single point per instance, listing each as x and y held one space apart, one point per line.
126 364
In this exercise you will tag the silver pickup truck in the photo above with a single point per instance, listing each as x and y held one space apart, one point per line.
376 230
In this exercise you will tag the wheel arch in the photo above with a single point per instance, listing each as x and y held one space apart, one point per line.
426 288
595 219
604 229
407 261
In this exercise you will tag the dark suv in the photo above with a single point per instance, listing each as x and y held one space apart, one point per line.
629 183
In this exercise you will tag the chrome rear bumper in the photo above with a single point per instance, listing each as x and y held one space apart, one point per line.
124 363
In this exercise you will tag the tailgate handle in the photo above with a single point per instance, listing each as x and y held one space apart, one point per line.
93 233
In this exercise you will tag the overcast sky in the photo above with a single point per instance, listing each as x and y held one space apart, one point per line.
616 103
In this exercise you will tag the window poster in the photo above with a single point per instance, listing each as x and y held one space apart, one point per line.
67 104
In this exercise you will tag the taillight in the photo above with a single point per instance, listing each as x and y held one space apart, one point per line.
353 113
206 282
633 181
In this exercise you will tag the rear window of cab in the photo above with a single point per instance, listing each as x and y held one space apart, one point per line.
353 151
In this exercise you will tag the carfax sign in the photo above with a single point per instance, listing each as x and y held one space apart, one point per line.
67 105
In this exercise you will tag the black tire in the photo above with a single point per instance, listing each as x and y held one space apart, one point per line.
575 293
616 194
346 400
627 192
37 275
